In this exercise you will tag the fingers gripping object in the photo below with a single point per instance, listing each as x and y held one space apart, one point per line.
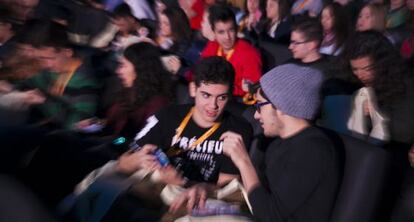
161 156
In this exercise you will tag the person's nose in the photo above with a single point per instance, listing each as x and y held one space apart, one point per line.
228 35
214 103
256 115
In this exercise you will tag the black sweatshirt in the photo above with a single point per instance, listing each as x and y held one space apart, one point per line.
300 181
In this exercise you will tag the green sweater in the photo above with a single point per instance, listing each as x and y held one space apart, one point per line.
78 101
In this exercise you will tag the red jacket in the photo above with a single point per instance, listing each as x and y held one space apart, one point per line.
245 60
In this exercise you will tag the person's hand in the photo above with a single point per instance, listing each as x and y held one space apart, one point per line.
366 107
34 97
83 123
143 32
169 175
411 156
245 85
194 196
130 161
250 21
147 40
234 147
174 64
186 6
5 86
88 122
312 14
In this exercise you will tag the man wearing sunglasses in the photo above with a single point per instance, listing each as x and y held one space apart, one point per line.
301 167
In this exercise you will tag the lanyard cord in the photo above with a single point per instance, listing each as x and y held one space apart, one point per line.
59 87
184 123
228 55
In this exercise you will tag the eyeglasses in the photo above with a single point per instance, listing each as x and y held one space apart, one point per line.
258 105
298 43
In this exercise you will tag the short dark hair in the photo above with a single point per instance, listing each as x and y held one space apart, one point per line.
44 33
221 13
310 27
122 11
262 93
6 17
215 70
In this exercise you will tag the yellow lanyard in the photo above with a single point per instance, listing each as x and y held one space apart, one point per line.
59 87
184 123
228 55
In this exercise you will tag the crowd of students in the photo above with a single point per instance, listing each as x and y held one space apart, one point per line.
81 81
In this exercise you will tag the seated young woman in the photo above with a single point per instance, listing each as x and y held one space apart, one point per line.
146 87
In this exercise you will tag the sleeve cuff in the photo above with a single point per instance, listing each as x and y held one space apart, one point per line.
258 196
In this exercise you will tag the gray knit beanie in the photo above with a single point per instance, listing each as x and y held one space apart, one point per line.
294 89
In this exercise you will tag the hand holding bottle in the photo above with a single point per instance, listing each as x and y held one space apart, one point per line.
143 158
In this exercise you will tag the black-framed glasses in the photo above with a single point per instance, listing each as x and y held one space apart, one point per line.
258 105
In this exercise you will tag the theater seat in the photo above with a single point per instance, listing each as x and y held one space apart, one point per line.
273 54
404 208
362 189
336 110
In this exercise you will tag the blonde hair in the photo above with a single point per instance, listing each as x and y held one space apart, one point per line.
378 12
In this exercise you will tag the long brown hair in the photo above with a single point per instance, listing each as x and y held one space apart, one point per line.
179 23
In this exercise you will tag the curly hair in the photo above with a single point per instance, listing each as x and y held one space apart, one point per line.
387 65
152 78
215 70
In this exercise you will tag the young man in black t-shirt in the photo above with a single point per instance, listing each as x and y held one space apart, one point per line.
194 133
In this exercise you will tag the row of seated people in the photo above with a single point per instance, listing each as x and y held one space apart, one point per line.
281 86
86 19
303 39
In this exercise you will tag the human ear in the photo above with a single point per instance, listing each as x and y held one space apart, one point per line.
68 52
192 89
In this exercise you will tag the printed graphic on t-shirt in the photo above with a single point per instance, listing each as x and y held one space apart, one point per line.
151 122
203 158
206 161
